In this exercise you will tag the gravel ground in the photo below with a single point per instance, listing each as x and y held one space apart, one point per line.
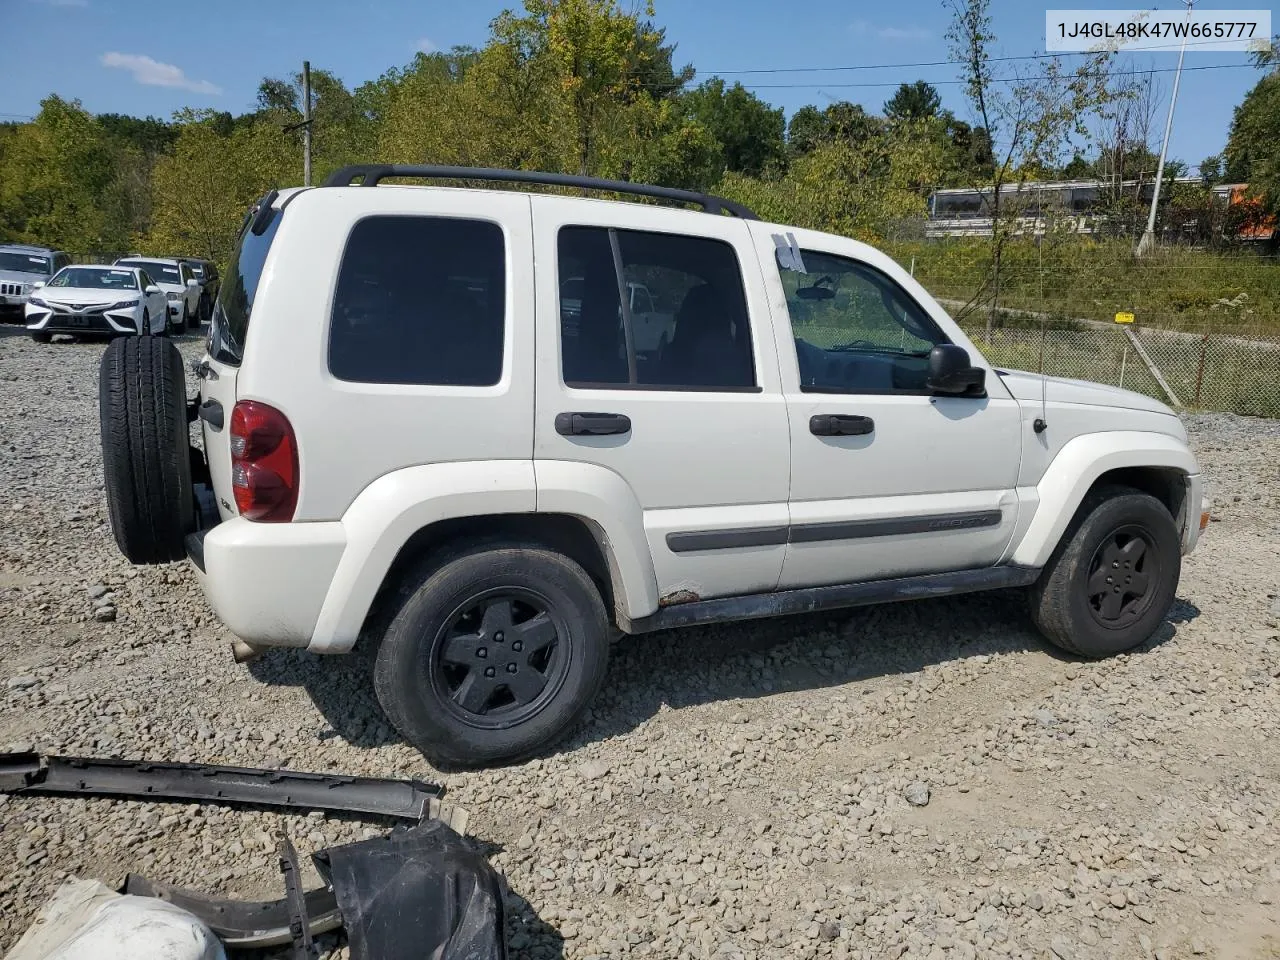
924 780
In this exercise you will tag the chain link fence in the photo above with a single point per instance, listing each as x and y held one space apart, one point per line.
1207 330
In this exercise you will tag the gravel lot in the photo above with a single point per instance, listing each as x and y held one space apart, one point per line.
924 780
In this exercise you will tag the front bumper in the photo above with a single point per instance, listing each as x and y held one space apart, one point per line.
1195 512
268 581
90 322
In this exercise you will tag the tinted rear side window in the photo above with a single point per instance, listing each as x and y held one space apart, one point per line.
235 297
420 300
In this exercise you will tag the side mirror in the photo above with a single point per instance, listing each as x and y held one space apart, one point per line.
951 372
192 283
37 285
151 290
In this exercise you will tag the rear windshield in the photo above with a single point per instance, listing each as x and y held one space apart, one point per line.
239 287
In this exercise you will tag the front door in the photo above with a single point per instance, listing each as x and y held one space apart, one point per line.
694 425
887 479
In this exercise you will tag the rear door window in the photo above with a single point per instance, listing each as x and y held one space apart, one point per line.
420 300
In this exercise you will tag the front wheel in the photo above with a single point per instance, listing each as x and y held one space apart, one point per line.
494 653
1109 584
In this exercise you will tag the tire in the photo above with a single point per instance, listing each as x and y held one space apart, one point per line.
1087 600
206 309
142 397
146 326
423 674
42 336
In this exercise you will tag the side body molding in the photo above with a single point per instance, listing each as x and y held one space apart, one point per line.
391 510
1079 463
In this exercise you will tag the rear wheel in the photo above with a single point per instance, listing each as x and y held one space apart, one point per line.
494 653
1111 581
142 397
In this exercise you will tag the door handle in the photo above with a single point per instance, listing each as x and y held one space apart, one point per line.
591 424
840 425
211 413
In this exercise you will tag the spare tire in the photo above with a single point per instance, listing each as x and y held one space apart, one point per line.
142 401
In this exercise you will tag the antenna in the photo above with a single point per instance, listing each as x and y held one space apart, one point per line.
1041 423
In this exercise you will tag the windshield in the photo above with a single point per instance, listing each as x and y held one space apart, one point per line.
239 287
24 263
159 272
90 278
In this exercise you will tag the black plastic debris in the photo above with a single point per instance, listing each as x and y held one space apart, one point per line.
417 894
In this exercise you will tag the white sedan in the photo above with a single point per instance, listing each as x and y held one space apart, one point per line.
177 282
91 300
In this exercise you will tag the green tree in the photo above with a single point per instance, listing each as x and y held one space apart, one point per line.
750 132
201 191
913 101
60 184
1251 154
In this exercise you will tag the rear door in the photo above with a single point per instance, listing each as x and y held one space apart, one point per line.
699 433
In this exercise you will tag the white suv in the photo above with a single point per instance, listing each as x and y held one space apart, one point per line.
413 438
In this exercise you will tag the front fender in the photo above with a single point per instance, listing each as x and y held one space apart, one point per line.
1078 465
395 507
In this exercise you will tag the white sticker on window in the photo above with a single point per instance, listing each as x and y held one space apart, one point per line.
789 252
39 260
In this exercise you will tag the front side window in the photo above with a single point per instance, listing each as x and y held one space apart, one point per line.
420 300
686 326
855 329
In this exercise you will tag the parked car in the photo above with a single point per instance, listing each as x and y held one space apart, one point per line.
21 266
206 274
177 282
93 300
651 329
409 441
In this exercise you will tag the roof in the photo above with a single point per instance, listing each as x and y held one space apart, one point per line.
27 248
171 261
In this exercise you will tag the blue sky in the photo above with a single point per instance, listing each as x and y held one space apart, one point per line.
150 57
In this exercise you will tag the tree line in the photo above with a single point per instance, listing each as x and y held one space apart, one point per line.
585 86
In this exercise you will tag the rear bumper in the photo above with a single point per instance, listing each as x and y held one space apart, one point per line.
267 581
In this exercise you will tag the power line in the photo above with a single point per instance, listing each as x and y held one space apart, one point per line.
937 83
947 63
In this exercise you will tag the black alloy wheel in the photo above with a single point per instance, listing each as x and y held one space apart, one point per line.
498 660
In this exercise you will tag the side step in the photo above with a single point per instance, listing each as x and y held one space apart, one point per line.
758 606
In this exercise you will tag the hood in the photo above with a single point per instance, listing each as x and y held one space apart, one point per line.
18 276
1028 386
83 295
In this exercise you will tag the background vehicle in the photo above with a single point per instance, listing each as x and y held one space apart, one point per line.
22 265
88 300
178 284
206 274
454 451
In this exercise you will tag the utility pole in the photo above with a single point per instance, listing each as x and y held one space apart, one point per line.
1148 241
306 120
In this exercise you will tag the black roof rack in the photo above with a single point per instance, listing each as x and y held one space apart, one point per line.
371 173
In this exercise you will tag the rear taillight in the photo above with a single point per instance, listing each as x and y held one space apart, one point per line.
264 463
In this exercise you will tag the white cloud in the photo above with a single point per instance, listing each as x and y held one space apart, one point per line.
426 46
891 33
153 73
